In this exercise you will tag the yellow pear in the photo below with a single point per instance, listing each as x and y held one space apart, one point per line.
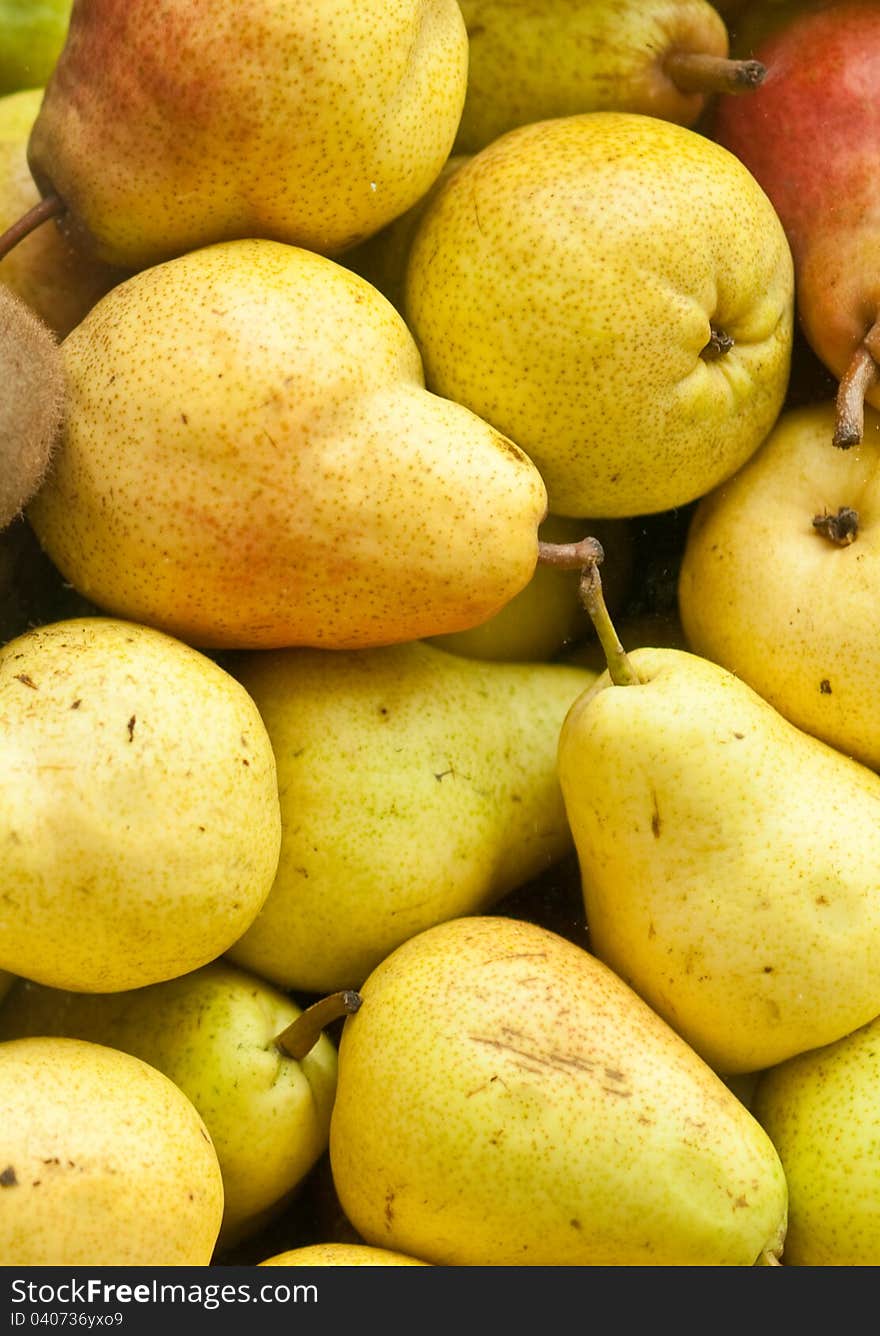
546 617
214 1033
251 460
415 785
504 1099
58 284
780 578
615 293
139 808
313 121
728 860
340 1254
103 1161
820 1110
532 62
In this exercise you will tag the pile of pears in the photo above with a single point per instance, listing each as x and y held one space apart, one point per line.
439 571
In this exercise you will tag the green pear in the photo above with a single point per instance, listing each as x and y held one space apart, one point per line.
32 33
340 1254
168 126
728 860
32 404
780 577
615 293
530 63
105 1162
139 808
251 460
214 1033
820 1110
546 617
505 1099
415 785
58 284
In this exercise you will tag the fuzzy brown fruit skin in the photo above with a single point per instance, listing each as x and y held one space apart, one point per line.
31 403
314 123
811 136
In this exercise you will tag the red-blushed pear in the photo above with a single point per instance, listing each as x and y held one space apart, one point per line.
780 578
531 62
615 293
170 124
811 136
285 478
730 862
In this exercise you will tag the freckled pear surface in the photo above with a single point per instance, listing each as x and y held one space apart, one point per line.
314 123
572 284
504 1099
729 860
820 1109
104 1161
139 814
251 460
341 1254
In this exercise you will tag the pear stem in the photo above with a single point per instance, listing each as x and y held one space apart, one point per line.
50 206
586 556
697 72
303 1033
859 377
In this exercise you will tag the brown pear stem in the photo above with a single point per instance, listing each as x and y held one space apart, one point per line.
697 72
859 377
50 206
303 1033
842 528
586 556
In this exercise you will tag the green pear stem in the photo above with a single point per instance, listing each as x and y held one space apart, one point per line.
696 72
586 556
50 206
859 377
620 670
304 1032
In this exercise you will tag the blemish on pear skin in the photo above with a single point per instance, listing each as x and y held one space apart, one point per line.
8 1177
825 687
26 681
655 817
130 726
389 1207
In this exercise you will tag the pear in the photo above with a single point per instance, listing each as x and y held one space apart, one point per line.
811 138
532 62
139 808
615 293
214 1032
105 1161
340 1254
383 257
44 270
547 617
415 785
729 861
820 1109
780 577
32 33
287 479
32 404
504 1099
168 126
